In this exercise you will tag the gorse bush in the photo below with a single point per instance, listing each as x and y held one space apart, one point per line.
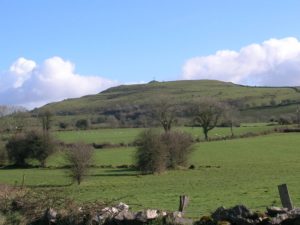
158 152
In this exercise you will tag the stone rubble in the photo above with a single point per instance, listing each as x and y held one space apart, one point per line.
237 215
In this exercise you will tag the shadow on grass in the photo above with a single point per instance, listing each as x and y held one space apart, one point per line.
49 185
27 166
117 173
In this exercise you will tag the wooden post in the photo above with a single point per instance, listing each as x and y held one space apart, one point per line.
183 202
285 197
23 181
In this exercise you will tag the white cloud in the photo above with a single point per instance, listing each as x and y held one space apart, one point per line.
275 62
32 85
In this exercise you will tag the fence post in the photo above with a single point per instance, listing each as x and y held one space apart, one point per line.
285 197
23 181
183 202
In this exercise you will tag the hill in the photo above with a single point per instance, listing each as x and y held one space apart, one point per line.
128 104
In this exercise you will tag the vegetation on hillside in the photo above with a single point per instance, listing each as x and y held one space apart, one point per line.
132 105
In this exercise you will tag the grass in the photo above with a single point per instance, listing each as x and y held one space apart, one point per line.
179 93
227 173
128 135
113 136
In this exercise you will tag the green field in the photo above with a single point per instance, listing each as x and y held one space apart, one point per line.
227 173
128 135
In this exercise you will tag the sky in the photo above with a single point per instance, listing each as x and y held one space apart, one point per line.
51 50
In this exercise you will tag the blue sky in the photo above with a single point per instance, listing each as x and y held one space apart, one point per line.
130 41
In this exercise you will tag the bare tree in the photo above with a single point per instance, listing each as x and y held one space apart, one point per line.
48 143
46 118
207 113
230 117
165 113
79 157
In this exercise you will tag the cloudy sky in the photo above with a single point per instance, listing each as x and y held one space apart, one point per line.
56 49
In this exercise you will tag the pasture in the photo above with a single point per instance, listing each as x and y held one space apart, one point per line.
128 135
227 173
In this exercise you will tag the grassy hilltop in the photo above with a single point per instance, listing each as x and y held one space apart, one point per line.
132 102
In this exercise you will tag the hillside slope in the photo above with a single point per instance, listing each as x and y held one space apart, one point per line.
256 103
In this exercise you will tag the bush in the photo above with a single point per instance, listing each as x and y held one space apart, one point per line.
178 147
17 149
158 152
30 145
151 156
284 120
79 157
63 125
3 155
82 124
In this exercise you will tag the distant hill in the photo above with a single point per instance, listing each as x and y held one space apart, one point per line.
130 103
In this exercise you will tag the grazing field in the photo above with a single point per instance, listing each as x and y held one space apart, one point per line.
128 135
227 172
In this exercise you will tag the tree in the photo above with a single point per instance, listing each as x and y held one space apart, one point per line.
63 125
82 124
230 117
165 113
285 119
46 118
17 149
79 157
29 145
158 152
47 149
2 155
207 113
43 150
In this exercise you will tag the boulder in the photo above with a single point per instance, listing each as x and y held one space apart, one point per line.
274 211
239 211
176 218
125 215
294 212
122 206
50 216
291 221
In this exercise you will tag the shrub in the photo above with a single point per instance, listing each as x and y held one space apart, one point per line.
33 144
79 157
178 147
3 155
284 120
82 124
63 125
151 155
158 152
44 147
